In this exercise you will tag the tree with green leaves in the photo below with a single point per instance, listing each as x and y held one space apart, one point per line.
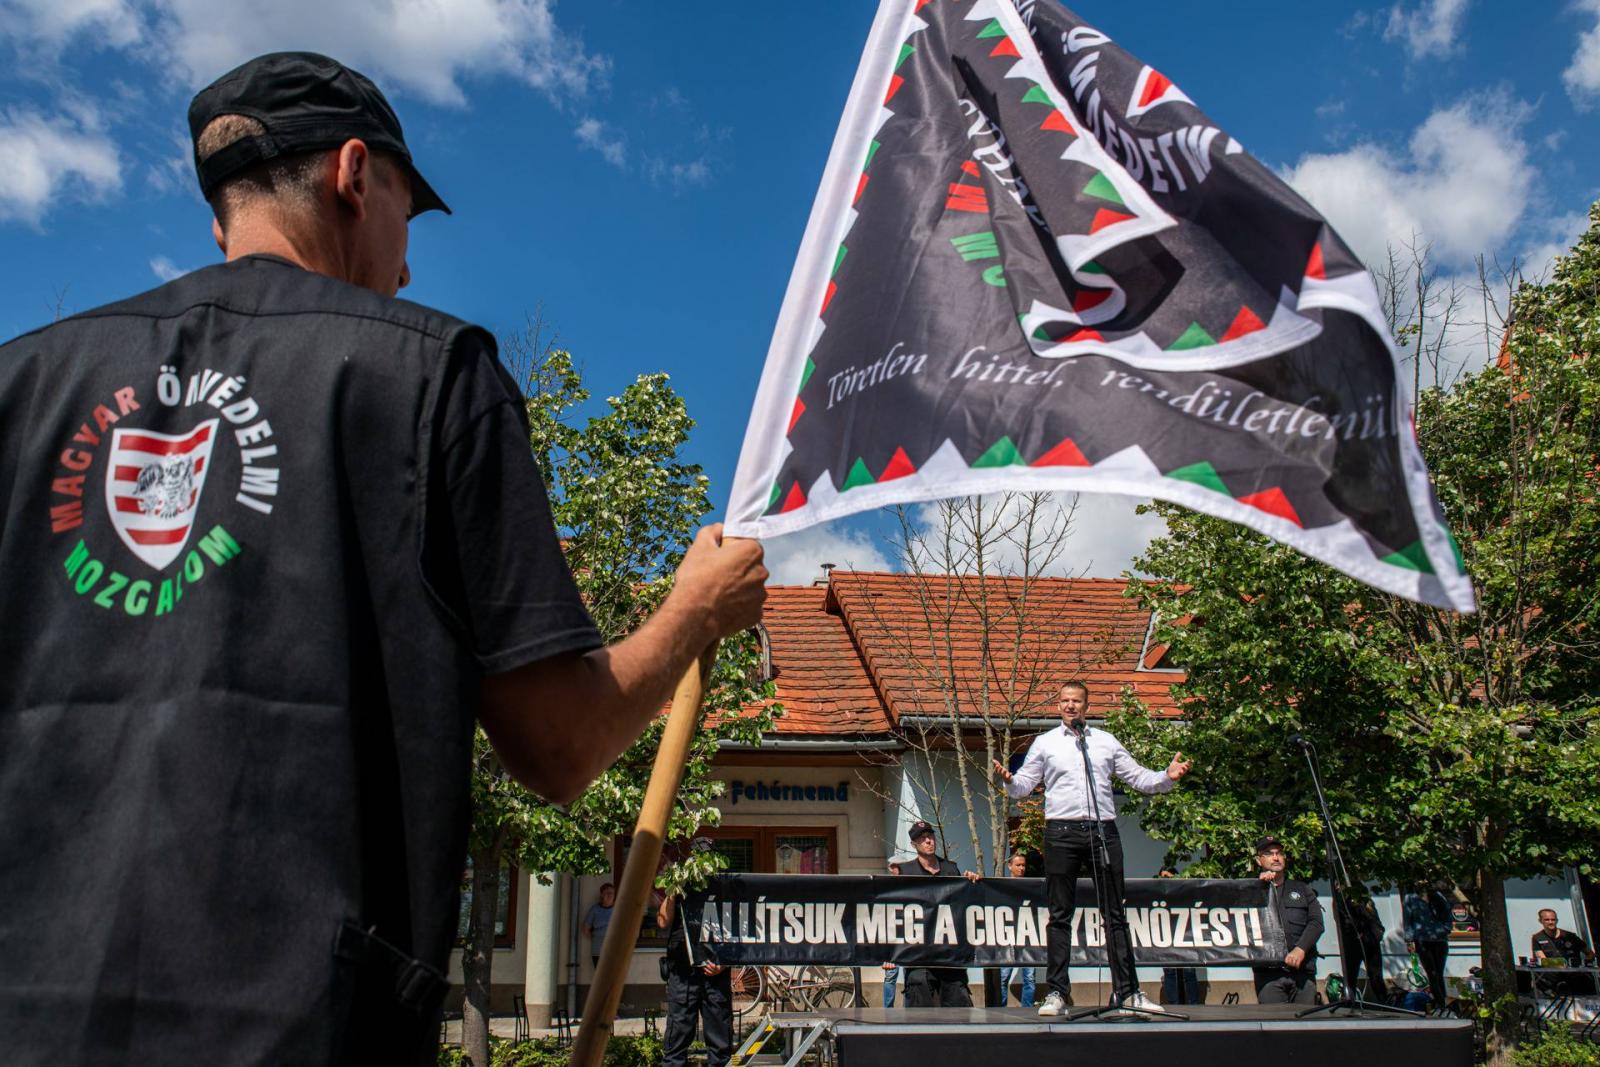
1462 748
626 506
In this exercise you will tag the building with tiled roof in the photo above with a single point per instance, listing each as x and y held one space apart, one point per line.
856 654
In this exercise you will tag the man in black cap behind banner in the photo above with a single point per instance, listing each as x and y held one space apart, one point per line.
1300 916
927 987
272 541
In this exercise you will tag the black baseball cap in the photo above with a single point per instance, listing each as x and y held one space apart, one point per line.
306 102
918 829
1269 842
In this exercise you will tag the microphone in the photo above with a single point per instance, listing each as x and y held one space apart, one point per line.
1300 739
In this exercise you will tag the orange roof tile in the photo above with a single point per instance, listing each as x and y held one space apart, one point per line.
856 656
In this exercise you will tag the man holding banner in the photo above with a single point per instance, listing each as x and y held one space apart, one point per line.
1076 763
926 985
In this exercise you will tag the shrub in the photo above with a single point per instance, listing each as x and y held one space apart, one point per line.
641 1051
1556 1047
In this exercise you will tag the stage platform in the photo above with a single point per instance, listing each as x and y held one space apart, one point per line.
1213 1034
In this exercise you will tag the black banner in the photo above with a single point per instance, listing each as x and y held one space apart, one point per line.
849 920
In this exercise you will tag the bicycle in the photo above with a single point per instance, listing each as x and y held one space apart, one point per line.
806 987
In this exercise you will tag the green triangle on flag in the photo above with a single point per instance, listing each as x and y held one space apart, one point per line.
805 375
906 51
1413 558
859 475
1202 474
976 245
1092 268
1194 337
1037 95
872 150
1001 454
994 29
1040 335
837 260
773 499
1101 186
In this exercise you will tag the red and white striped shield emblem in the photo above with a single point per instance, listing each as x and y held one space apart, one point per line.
153 484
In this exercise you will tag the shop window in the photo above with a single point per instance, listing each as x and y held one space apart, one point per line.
505 908
777 849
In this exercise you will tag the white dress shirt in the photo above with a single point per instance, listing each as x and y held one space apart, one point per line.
1055 760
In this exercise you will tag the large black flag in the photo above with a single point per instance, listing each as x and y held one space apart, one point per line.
1034 263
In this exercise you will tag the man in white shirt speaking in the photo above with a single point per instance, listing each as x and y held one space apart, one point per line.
1076 764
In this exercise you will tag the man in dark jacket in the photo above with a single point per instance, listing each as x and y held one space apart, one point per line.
1294 981
273 541
927 987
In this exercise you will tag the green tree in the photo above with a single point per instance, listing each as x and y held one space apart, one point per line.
626 507
1456 747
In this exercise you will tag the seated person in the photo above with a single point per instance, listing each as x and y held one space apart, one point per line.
1552 942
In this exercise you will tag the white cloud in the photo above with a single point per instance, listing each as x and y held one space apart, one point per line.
45 159
1431 29
612 146
417 46
1582 78
797 558
1076 535
166 270
1462 184
50 24
695 172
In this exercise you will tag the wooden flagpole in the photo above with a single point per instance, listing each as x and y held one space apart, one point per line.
633 892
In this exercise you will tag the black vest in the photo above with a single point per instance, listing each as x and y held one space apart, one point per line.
237 711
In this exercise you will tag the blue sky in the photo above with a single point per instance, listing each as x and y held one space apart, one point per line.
641 173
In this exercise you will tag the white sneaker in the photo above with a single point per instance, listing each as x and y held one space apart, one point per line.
1054 1004
1143 1003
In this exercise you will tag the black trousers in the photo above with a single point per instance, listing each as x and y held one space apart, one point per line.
1363 949
942 987
1068 855
692 994
1431 954
1279 985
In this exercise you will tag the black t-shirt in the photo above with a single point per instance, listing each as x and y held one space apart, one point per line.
262 533
1564 944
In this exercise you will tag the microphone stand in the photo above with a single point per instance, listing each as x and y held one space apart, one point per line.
1100 869
1339 882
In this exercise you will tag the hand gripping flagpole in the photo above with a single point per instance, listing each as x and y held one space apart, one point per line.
639 872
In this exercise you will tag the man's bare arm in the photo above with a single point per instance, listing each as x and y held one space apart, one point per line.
557 724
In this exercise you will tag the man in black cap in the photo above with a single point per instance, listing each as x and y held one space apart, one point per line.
1300 915
272 541
926 987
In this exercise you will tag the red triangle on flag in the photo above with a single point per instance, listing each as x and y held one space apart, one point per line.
1106 217
1314 265
899 466
969 167
861 187
794 415
827 297
894 87
1066 454
1083 335
795 499
1090 298
1154 87
1246 321
1273 502
921 4
1006 48
1057 121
